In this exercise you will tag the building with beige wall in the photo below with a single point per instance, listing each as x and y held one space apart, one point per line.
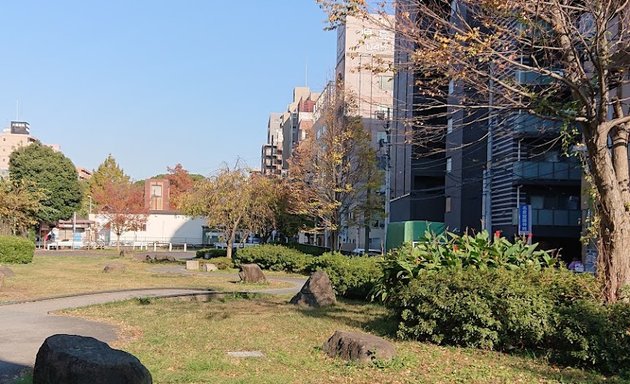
365 57
17 135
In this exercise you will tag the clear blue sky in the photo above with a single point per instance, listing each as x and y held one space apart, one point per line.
157 82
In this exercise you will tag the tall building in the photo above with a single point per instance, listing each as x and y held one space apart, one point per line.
285 131
365 54
271 157
417 161
492 163
17 135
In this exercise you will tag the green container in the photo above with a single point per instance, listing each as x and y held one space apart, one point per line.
403 232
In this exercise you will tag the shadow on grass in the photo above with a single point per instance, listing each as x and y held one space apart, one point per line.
372 318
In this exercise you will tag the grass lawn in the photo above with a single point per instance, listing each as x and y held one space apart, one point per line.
187 342
54 274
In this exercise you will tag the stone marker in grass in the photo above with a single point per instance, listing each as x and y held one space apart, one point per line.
192 265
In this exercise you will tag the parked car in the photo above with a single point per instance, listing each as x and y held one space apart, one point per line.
370 252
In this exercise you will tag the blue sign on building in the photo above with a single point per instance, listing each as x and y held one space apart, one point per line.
524 220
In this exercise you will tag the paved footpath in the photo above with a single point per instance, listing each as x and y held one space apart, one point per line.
25 326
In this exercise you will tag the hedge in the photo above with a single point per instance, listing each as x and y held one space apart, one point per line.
17 250
209 253
553 312
352 277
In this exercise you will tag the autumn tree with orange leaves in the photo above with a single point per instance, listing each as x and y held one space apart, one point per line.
122 204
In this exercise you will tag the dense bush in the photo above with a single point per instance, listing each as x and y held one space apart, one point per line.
209 253
552 311
16 250
451 251
308 249
352 277
273 257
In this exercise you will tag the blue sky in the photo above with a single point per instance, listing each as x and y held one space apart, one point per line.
157 82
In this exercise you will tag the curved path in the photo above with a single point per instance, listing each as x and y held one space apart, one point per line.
25 326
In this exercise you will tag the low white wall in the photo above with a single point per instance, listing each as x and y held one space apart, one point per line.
161 228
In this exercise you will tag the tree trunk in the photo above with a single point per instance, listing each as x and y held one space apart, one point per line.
230 244
117 242
614 228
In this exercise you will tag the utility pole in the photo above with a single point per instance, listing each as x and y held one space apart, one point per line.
388 181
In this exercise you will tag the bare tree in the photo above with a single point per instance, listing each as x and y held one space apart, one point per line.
562 60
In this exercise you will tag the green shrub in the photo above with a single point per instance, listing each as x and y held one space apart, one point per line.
490 309
221 262
451 251
308 249
209 253
352 277
16 250
273 257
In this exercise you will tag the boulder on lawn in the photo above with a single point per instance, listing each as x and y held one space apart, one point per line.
211 267
114 267
86 360
360 347
6 271
251 273
316 292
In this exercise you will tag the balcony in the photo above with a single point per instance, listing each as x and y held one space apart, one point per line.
546 171
557 217
530 124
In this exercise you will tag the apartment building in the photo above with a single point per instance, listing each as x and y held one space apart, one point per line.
271 157
365 54
491 164
17 135
285 131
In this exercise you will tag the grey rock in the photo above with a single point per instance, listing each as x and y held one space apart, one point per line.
251 273
86 360
359 347
316 292
114 267
6 271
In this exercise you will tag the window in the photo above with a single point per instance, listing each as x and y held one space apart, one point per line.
449 125
448 204
449 165
156 190
451 87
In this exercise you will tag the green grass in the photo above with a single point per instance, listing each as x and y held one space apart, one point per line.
53 274
187 342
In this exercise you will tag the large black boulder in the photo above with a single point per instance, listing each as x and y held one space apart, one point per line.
86 360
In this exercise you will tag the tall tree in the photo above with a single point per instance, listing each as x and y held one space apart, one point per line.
230 201
19 206
561 60
335 169
49 171
107 172
122 204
